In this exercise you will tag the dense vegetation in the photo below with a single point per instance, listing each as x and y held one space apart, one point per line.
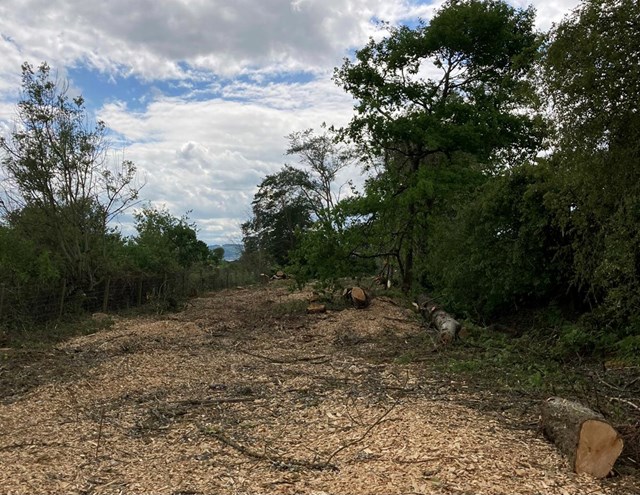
502 171
502 176
62 188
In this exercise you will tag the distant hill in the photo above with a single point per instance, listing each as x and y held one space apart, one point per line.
231 251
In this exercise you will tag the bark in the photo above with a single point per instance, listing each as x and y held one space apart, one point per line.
358 297
584 436
446 325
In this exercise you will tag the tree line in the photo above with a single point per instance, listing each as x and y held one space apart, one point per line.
62 188
502 170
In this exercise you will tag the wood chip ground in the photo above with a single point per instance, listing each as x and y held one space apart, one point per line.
245 393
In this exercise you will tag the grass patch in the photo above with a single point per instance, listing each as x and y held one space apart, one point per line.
43 335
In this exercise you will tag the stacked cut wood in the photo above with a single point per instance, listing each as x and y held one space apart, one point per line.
358 297
447 326
586 437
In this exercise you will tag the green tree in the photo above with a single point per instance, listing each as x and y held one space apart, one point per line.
322 157
470 112
501 250
22 261
592 76
166 244
60 188
217 255
280 209
290 201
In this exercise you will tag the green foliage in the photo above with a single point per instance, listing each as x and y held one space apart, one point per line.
577 340
593 81
217 255
500 250
325 254
629 348
60 189
296 207
483 52
22 262
280 208
166 244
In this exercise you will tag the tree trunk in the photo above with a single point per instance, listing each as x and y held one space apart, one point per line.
358 297
589 441
446 325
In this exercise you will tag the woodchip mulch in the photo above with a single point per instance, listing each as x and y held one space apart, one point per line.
238 395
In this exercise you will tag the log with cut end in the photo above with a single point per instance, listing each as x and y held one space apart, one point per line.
358 297
590 442
446 325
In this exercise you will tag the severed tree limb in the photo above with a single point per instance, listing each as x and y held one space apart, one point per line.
285 462
625 401
448 327
365 434
276 461
211 402
590 442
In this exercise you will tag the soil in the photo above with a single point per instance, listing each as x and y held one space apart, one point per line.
244 392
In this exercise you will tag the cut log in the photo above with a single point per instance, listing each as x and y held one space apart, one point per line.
584 436
447 326
358 297
316 308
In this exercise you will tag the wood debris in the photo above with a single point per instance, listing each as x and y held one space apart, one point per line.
590 442
231 396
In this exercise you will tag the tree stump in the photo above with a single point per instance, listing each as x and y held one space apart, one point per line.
358 297
590 442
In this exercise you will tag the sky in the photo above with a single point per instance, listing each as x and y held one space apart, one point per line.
201 94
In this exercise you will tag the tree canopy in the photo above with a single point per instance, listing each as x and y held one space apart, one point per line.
60 186
454 93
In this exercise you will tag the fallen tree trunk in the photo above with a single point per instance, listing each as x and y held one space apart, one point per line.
590 442
446 325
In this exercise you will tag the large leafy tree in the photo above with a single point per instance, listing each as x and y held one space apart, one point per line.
280 209
452 92
322 157
59 186
592 75
290 201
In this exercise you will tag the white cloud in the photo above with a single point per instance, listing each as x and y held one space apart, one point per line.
154 38
201 152
548 11
209 156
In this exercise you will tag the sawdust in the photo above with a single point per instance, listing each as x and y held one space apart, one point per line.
244 393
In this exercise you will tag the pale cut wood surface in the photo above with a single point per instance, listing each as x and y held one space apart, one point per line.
584 436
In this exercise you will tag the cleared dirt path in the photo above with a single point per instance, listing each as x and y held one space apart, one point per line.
245 393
